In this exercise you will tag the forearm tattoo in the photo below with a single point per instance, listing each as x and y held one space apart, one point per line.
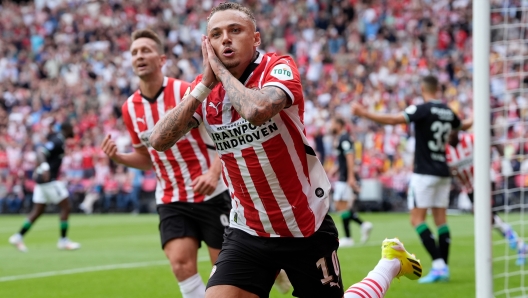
175 124
256 106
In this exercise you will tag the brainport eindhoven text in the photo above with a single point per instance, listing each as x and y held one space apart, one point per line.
232 136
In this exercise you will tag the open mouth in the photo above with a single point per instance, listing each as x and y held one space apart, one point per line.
141 66
228 52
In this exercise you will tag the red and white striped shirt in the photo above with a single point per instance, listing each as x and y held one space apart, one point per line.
189 158
461 158
278 186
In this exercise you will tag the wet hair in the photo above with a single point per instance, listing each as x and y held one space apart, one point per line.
147 33
340 121
430 84
233 6
66 126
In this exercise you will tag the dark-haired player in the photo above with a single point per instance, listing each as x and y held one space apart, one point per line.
347 184
191 198
431 182
460 160
48 189
252 106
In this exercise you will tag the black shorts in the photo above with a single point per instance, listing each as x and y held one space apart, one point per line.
471 197
252 263
204 221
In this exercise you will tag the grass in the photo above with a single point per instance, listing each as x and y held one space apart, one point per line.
124 256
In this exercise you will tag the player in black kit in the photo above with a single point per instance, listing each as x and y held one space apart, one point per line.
430 183
49 189
346 187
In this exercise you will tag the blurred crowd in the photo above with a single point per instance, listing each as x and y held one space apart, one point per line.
69 60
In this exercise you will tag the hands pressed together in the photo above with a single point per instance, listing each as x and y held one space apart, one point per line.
211 64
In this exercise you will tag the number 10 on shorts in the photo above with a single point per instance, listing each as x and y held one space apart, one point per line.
322 264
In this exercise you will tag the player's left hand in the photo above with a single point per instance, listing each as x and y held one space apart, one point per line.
354 185
214 61
357 109
208 78
205 184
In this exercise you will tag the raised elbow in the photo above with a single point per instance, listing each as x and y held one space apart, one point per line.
158 144
258 117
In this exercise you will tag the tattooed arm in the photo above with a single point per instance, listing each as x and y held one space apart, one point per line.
175 124
179 120
256 106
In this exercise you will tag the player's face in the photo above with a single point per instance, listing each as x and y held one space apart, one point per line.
335 128
146 59
233 37
68 133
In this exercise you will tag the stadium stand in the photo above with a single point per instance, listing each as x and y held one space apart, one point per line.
69 60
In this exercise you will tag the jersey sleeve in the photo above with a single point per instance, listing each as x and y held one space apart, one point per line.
130 127
283 73
346 146
415 113
185 88
48 147
456 123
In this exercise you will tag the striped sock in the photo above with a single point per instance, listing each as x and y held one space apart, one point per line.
377 282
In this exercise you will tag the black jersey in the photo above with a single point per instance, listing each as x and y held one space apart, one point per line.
433 121
343 148
54 151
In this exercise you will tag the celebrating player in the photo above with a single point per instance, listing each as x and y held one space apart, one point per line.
430 183
252 105
192 202
347 185
49 190
459 153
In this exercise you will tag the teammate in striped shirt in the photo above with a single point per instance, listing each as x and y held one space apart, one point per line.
459 154
192 200
252 105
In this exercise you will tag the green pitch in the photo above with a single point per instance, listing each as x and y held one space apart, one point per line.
121 257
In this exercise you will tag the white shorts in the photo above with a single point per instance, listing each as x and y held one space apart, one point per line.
427 191
52 192
343 191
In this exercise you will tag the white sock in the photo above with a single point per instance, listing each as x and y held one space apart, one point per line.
500 225
377 282
192 287
439 264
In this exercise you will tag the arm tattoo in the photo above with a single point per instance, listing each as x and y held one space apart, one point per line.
175 124
256 106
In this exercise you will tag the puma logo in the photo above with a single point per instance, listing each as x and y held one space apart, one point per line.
141 120
212 105
334 284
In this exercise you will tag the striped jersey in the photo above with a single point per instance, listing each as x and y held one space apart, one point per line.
278 186
461 159
189 158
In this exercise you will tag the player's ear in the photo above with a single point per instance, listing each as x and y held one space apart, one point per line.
163 59
257 39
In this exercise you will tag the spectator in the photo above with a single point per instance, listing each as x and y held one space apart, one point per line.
54 68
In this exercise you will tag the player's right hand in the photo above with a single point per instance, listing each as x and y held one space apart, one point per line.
41 176
208 77
357 109
109 147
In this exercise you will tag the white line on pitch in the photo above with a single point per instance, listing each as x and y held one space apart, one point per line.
90 269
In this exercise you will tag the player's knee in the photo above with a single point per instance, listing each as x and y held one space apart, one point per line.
183 268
